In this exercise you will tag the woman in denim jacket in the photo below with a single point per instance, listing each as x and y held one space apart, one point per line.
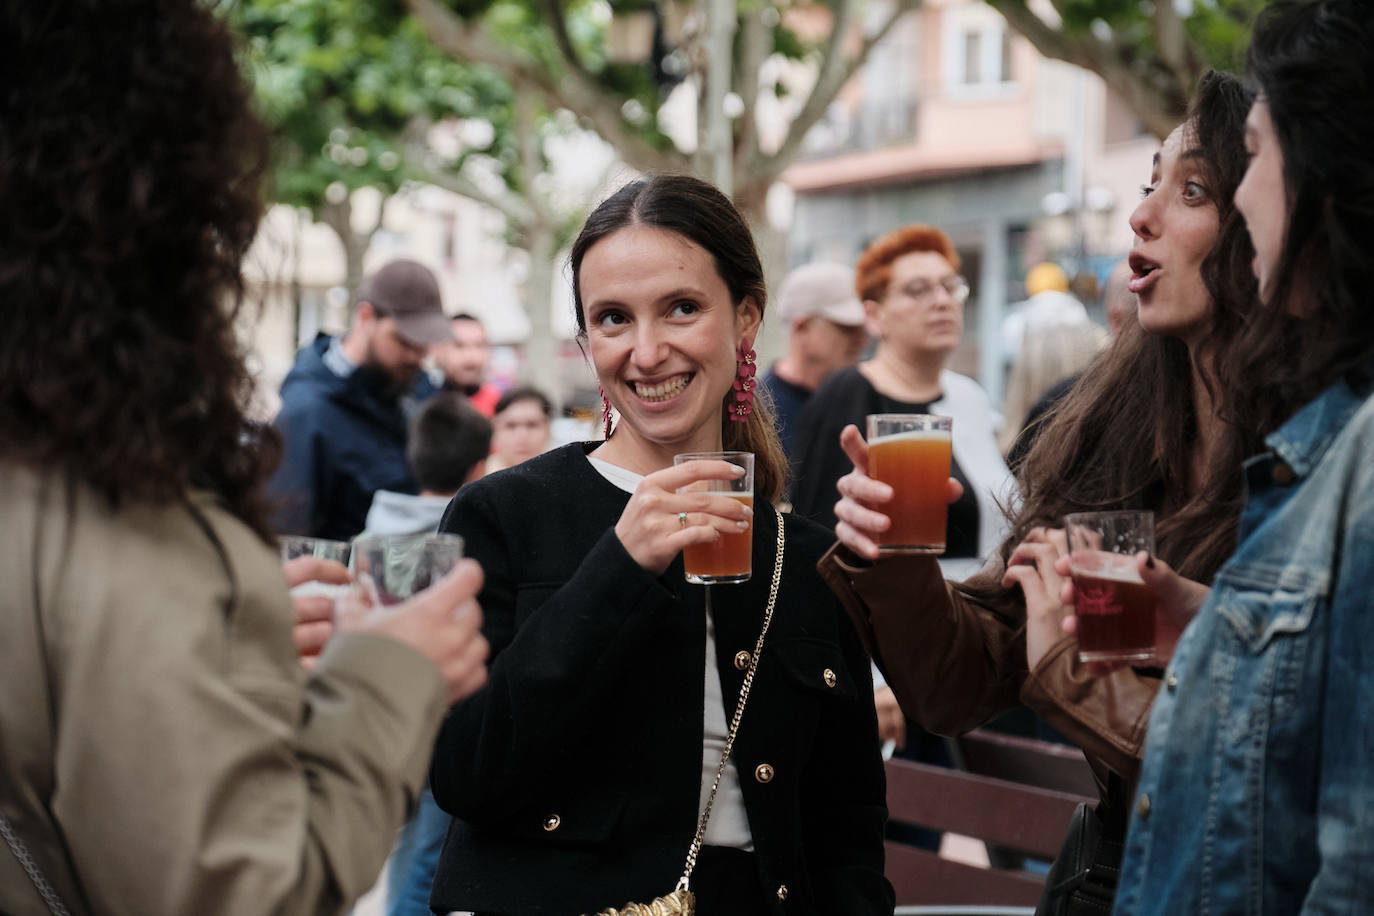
1257 790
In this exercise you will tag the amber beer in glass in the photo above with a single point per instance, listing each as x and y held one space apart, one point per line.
1115 610
731 558
910 453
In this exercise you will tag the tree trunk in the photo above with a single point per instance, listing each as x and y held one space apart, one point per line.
541 356
339 217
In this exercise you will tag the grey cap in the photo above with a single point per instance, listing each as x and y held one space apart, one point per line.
407 291
821 289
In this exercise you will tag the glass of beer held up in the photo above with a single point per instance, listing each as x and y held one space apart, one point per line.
731 557
1115 610
910 453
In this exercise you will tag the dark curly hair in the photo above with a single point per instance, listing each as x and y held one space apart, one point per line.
130 169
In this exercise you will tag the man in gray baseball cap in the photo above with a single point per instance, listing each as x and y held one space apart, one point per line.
407 293
345 405
826 332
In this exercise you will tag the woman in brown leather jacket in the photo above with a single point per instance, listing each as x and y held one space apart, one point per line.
1142 429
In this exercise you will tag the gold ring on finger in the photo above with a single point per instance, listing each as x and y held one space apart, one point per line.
682 519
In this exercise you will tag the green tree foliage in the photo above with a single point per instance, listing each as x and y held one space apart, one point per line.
343 85
563 51
1150 52
348 89
353 91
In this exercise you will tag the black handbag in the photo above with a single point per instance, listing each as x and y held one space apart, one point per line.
1082 881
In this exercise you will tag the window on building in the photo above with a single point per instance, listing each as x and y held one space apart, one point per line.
977 49
973 43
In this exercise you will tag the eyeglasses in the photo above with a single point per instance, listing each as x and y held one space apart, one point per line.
920 291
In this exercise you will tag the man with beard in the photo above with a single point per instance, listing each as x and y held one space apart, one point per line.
345 405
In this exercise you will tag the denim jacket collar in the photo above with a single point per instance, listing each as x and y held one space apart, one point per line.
1304 438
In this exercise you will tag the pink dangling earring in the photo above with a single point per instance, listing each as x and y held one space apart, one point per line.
605 411
744 383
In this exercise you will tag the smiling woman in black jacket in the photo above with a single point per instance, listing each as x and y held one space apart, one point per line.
576 777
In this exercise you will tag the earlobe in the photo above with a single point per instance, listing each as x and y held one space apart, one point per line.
872 309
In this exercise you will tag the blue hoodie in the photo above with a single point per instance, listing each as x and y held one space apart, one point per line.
344 439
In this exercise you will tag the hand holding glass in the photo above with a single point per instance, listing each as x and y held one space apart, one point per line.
911 454
729 558
388 569
1115 610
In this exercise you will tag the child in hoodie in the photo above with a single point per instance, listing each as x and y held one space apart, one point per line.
447 447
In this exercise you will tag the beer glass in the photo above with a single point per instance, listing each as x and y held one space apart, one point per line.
910 453
388 569
731 558
293 546
1115 610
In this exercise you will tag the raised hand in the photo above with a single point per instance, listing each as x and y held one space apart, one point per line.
658 522
1033 567
444 622
860 521
1177 601
314 612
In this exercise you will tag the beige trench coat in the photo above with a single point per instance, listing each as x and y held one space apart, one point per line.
161 751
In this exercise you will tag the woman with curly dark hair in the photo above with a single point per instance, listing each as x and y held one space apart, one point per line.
160 749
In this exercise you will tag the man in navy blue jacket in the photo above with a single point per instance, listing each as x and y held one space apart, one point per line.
345 405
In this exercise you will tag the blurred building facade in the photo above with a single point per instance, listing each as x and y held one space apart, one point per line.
958 122
954 121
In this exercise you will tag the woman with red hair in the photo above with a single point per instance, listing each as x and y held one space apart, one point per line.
910 284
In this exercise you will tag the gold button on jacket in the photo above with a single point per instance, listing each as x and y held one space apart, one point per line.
1142 807
551 822
741 659
763 773
829 676
782 891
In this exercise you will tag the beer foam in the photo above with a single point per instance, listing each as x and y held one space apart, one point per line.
915 435
1128 575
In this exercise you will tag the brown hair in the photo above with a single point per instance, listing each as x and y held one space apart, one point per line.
1124 437
700 213
130 163
873 273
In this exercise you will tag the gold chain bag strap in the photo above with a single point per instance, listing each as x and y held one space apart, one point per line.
681 901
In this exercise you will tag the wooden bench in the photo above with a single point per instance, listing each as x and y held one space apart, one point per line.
1018 816
1029 760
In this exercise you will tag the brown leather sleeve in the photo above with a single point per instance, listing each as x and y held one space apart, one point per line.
1105 716
952 663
